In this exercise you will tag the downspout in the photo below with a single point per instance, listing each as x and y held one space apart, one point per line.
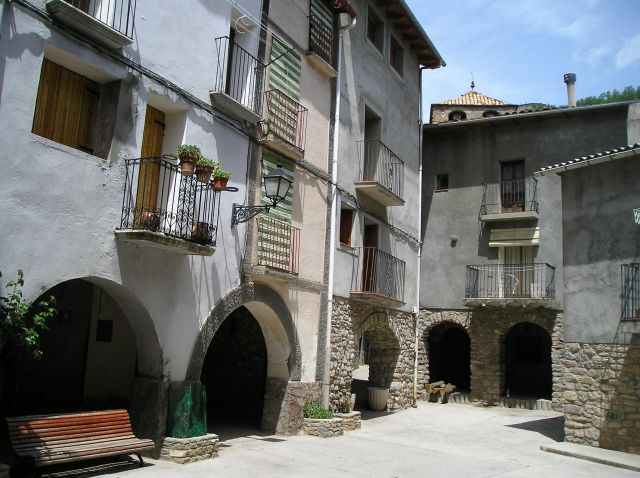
417 307
332 222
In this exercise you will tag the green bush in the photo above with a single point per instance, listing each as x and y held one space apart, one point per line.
313 410
188 150
206 162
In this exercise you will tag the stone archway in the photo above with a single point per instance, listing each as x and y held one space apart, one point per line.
448 347
282 349
101 351
527 362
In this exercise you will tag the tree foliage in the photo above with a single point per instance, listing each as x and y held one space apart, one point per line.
613 96
22 322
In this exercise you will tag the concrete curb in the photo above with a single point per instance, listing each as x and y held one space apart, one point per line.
618 459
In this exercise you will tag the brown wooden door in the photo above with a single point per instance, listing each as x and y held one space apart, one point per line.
512 186
147 209
370 258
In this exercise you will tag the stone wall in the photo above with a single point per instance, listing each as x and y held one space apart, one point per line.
350 421
323 428
391 336
189 450
284 404
598 390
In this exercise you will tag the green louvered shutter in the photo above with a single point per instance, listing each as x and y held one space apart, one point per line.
271 161
322 11
285 72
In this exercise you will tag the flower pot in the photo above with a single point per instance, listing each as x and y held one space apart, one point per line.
378 398
203 173
151 221
200 232
219 184
187 165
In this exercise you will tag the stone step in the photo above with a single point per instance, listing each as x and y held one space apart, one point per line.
526 403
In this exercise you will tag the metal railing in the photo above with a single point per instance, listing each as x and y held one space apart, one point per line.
514 195
510 281
378 272
239 74
116 14
278 244
321 39
158 198
286 118
630 291
378 163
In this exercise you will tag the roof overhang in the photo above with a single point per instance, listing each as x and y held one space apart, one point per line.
591 160
410 29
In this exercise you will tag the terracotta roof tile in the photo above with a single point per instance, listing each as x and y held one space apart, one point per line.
473 98
590 157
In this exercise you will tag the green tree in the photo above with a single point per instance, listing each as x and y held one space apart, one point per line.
628 94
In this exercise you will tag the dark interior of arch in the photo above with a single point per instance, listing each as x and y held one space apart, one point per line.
528 362
449 349
234 372
88 361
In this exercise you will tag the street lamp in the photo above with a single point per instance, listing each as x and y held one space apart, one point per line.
276 187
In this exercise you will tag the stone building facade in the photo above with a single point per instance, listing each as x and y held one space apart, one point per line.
471 105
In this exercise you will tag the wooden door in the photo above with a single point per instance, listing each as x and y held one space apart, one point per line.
370 258
512 186
147 210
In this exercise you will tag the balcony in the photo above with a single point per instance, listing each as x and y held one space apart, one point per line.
512 200
321 46
381 175
278 249
108 22
525 285
237 89
630 291
162 208
378 277
284 125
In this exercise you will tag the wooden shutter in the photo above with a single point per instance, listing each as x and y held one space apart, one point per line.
286 69
346 226
149 175
65 107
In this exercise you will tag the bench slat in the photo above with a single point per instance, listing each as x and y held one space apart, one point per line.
68 422
29 418
62 440
40 460
82 447
63 443
61 430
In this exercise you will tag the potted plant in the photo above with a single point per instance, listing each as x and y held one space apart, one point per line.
204 168
220 178
188 155
200 232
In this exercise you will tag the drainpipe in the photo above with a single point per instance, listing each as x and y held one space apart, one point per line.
417 308
334 210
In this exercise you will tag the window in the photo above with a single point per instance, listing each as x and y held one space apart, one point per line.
346 226
396 56
66 107
442 182
631 291
375 30
457 116
490 114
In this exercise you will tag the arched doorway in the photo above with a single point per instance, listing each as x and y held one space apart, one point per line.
377 352
91 354
528 362
449 350
234 373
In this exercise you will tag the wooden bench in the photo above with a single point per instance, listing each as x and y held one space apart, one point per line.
52 439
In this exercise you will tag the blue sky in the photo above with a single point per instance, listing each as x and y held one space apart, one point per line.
518 50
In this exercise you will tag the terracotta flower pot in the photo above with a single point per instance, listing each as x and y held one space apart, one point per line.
187 165
219 184
203 173
151 221
200 232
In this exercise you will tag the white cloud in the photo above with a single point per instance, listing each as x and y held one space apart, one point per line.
629 53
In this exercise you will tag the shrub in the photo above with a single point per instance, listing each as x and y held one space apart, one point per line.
188 150
313 410
219 172
206 162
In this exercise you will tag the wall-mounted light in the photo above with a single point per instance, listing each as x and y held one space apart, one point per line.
276 188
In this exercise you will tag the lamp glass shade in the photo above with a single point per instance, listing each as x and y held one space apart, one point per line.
277 185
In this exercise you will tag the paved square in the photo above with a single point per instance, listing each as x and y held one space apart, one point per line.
430 441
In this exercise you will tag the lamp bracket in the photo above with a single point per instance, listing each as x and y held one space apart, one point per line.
241 214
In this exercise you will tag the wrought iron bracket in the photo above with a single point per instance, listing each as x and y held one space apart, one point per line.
240 214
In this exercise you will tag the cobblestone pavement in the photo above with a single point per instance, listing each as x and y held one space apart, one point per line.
430 441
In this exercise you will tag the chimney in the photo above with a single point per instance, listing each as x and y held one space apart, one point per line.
570 80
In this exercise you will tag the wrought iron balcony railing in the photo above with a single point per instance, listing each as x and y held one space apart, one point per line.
158 198
378 273
381 165
239 74
286 118
118 15
515 195
321 39
510 281
278 244
631 291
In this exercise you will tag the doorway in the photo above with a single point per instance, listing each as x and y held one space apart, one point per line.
149 174
369 258
449 349
512 186
528 362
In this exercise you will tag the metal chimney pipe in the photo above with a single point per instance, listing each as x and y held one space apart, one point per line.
570 80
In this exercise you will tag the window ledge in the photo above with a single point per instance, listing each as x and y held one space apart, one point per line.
347 249
78 153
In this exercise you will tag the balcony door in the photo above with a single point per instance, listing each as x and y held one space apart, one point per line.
512 183
372 137
369 258
518 274
149 174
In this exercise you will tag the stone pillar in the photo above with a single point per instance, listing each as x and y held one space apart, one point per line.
284 402
187 410
148 410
